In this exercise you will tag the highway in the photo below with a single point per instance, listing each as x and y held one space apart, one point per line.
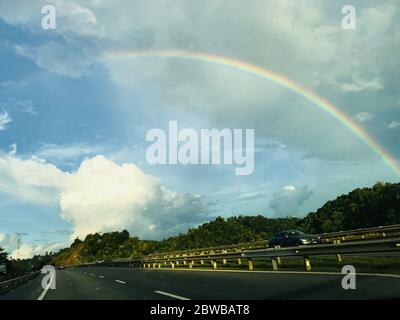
104 283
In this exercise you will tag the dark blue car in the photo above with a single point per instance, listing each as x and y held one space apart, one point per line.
291 238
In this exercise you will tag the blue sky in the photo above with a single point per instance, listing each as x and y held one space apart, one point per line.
73 122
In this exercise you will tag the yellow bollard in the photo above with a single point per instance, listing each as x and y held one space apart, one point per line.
190 265
338 256
250 263
274 264
214 264
278 259
307 261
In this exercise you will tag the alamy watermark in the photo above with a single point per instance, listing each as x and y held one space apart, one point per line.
349 280
49 280
49 21
208 146
349 18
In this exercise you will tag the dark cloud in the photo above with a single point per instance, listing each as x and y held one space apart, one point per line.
287 201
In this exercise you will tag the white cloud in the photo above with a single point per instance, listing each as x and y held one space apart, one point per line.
69 61
289 188
326 55
287 201
358 84
74 18
393 124
17 249
363 116
26 250
4 120
31 180
9 241
19 105
63 153
102 196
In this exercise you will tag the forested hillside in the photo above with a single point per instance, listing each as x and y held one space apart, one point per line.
361 208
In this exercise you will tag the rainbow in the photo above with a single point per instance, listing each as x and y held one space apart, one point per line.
274 77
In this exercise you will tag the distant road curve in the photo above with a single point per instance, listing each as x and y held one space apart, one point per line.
128 283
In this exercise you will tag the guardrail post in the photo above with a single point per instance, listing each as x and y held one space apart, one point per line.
250 263
338 256
190 265
159 265
239 261
144 266
148 265
184 262
154 265
307 262
172 265
201 261
278 259
214 264
274 264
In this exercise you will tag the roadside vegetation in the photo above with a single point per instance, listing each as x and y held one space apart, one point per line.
361 208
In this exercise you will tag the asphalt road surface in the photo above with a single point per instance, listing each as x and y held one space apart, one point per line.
137 284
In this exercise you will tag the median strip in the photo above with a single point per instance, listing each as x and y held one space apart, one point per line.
171 295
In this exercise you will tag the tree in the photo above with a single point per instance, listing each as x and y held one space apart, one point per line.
3 256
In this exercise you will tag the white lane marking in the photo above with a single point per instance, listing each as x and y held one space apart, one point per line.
119 281
101 277
46 289
91 274
171 295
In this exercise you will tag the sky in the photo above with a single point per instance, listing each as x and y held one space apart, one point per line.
74 113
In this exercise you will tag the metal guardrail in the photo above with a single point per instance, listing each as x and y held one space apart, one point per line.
16 282
331 237
381 231
307 251
235 247
370 247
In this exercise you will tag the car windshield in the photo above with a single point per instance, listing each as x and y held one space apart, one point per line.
296 233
